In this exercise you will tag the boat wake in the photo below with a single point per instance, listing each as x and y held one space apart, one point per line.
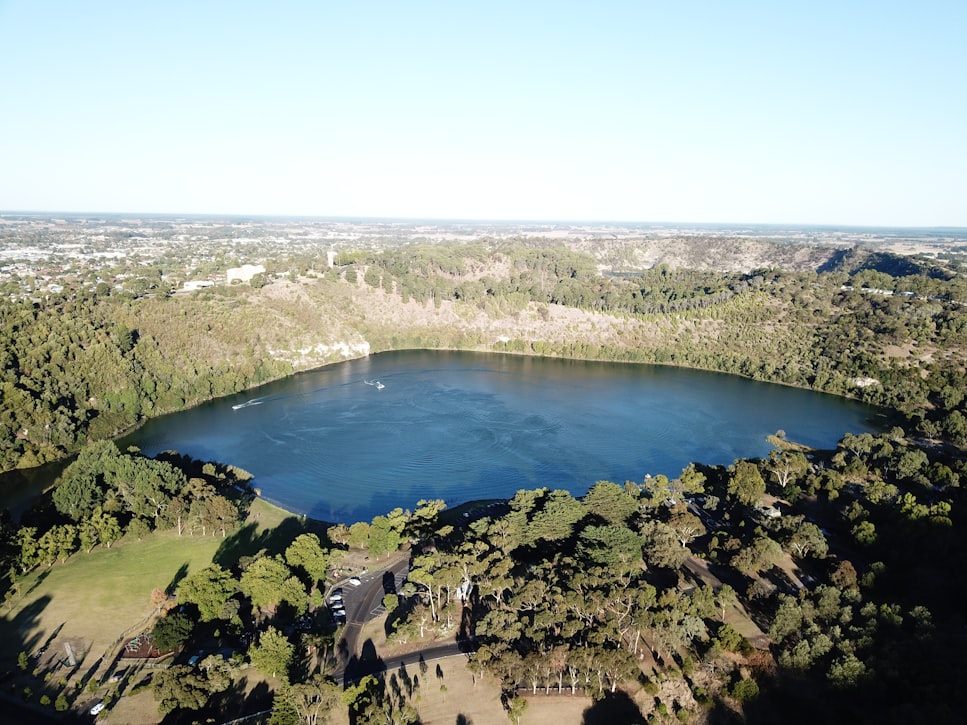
378 385
253 401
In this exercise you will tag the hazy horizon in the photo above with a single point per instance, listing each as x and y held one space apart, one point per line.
356 218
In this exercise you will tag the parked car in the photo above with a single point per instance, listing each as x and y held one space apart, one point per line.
355 581
97 708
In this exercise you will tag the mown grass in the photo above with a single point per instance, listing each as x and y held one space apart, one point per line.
93 599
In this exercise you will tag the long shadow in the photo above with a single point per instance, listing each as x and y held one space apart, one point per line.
249 541
88 676
40 578
176 579
613 708
50 638
367 663
12 632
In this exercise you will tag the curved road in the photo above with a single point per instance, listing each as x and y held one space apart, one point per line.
364 603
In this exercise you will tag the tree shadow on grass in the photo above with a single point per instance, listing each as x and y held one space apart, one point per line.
249 541
37 582
176 579
613 708
26 620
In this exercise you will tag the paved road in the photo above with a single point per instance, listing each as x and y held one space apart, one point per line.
365 602
358 669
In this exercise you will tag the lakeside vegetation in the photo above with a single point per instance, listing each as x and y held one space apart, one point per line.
90 364
808 585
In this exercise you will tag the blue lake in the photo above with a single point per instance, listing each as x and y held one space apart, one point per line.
459 426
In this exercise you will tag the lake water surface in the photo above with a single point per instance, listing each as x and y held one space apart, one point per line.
462 426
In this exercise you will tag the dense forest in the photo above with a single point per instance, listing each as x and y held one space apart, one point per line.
805 586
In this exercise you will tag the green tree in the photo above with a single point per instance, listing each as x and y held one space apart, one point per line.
77 495
425 519
273 654
661 546
516 707
384 538
108 528
28 547
172 631
358 536
180 687
268 582
806 539
306 553
615 547
284 710
686 525
746 484
787 466
610 502
209 589
764 553
316 699
865 533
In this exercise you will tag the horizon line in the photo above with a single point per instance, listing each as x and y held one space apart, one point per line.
477 220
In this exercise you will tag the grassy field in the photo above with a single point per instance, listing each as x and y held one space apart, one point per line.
93 599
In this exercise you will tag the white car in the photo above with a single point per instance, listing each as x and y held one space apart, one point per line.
355 581
97 708
335 597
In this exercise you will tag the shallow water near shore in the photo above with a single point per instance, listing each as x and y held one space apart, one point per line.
356 439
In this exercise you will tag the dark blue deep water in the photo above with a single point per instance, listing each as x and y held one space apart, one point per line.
462 426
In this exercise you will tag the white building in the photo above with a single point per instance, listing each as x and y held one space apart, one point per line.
244 273
197 284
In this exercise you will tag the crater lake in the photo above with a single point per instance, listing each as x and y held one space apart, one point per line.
355 439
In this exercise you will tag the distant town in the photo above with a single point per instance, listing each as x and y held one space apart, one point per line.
45 254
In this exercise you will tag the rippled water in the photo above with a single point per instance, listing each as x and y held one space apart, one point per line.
462 426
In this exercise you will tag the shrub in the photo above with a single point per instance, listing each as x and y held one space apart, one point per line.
745 690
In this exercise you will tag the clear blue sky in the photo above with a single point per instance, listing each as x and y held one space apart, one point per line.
839 112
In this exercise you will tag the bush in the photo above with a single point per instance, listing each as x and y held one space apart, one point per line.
60 704
745 690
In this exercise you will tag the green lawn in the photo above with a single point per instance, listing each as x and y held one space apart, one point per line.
93 598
